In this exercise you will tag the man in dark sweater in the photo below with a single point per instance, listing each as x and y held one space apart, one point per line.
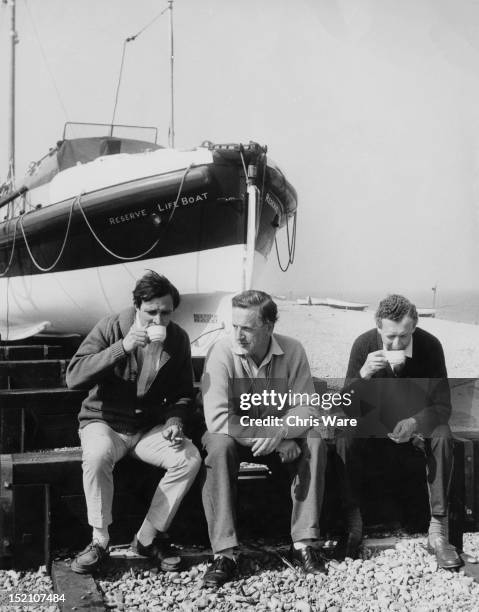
137 366
397 374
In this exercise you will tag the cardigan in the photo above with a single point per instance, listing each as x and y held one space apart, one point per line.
102 366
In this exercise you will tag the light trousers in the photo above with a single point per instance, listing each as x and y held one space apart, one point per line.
103 447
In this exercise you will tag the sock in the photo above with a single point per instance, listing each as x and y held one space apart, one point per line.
101 536
354 522
227 552
146 533
439 526
302 544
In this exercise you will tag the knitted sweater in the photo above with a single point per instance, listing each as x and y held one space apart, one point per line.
102 366
427 398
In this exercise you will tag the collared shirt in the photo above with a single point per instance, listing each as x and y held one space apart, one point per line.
408 349
263 370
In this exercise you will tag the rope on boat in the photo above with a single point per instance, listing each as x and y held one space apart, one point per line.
291 245
34 261
77 200
141 255
179 192
13 249
103 245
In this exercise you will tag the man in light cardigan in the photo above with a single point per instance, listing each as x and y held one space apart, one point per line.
253 357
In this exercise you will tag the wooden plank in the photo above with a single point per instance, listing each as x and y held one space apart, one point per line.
33 373
44 392
80 590
6 510
471 569
31 520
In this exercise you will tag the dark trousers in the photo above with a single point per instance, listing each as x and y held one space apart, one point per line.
436 451
222 465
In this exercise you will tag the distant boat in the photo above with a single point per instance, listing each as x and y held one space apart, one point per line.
311 301
344 305
426 312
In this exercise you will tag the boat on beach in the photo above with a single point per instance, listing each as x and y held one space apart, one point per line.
426 312
98 210
311 301
206 218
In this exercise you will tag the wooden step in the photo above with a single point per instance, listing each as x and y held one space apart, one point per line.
29 352
32 419
29 374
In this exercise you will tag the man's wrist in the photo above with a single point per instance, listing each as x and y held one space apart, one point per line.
363 373
174 421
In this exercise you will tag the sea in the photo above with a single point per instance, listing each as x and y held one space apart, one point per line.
452 305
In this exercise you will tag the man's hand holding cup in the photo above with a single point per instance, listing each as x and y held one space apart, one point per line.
375 361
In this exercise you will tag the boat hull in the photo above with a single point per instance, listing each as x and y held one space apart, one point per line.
70 263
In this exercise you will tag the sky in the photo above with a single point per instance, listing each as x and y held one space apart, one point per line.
371 108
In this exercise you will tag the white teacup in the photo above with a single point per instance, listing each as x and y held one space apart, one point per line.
395 358
156 333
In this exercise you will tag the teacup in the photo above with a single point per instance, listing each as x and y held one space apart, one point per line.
156 333
395 358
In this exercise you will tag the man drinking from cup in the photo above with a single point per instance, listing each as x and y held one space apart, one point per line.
137 367
398 375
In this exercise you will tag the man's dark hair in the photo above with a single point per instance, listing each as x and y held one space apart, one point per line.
153 285
268 311
395 308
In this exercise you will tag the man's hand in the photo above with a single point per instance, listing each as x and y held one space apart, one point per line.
173 432
374 362
288 451
265 446
403 431
135 337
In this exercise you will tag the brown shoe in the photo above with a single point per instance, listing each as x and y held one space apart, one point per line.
161 551
89 560
446 554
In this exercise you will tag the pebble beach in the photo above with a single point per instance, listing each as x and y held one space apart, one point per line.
327 334
402 578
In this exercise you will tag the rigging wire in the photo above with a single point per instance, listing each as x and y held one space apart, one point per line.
10 259
127 40
42 50
179 192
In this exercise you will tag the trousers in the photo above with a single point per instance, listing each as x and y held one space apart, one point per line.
103 448
437 452
222 465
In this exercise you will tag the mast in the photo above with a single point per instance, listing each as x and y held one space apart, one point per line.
14 40
171 135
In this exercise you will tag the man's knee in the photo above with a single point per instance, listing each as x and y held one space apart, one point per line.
219 447
191 458
97 459
441 438
317 447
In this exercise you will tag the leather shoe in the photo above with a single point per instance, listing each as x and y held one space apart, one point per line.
446 554
309 559
347 546
89 559
161 551
221 570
